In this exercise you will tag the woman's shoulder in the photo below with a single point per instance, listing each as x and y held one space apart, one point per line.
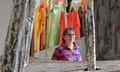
59 47
75 44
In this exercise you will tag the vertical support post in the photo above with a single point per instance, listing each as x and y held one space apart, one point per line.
18 37
91 36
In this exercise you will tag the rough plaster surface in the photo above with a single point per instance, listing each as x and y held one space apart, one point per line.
107 19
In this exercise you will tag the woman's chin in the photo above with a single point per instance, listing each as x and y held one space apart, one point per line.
71 41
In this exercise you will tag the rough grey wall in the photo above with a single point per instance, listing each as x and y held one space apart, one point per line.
5 11
107 18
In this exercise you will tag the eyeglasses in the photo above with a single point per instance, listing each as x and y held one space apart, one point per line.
70 34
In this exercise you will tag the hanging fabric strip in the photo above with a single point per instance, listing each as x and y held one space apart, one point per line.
45 21
65 5
76 1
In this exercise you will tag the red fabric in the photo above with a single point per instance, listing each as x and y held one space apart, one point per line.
57 1
72 21
42 6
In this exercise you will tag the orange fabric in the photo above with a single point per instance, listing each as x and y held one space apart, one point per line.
47 3
83 3
72 21
39 28
42 3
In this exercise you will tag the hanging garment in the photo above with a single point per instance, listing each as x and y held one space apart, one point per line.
74 5
57 1
39 28
54 17
72 21
49 22
46 6
82 20
83 3
68 6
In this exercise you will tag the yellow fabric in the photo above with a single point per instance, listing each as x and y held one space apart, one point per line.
47 3
38 29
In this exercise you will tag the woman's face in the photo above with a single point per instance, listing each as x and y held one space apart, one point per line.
69 36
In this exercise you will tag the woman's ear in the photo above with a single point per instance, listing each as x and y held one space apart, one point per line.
64 37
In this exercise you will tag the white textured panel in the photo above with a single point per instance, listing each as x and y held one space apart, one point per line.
5 11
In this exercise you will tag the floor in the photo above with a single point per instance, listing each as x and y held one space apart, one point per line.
41 65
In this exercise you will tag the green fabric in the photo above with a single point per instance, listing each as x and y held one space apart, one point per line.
54 16
75 5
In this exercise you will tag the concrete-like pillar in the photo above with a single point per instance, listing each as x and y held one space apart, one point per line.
18 36
90 35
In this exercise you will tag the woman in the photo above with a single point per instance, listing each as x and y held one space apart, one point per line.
68 50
